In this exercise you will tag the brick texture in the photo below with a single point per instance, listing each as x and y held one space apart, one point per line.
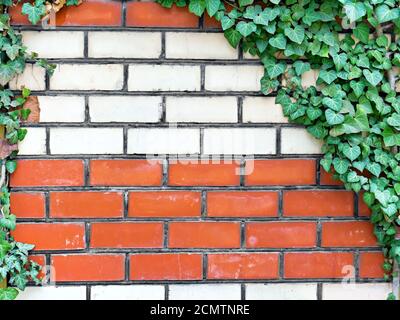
159 170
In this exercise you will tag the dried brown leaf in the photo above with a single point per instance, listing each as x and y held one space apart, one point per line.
6 149
32 103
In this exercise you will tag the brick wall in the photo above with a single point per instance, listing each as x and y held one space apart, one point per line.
260 220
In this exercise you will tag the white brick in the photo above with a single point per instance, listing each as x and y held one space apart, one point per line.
86 140
34 142
359 291
124 44
55 44
164 141
125 109
240 141
53 293
33 78
194 45
201 109
262 109
205 292
146 77
233 78
129 292
62 109
281 291
87 77
299 141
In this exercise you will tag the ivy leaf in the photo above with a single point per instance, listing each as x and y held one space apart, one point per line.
358 88
7 72
362 32
243 3
233 36
227 22
327 76
355 11
296 35
11 166
374 168
301 67
212 6
273 68
262 18
37 11
333 118
373 77
278 42
334 104
350 152
8 294
246 28
394 120
385 14
341 165
197 7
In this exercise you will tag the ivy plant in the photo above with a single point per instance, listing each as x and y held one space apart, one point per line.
353 107
16 269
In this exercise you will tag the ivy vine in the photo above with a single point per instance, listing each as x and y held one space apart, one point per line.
353 107
16 269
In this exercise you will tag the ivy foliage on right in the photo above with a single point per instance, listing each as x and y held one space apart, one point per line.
354 107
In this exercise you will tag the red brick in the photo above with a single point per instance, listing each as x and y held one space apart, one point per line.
86 205
318 203
52 236
327 179
126 235
169 266
88 267
371 265
314 265
48 173
281 234
204 235
149 14
164 204
224 174
348 234
28 205
242 204
280 172
243 266
125 173
89 13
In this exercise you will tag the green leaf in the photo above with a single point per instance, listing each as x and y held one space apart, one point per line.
37 11
11 166
334 104
300 67
243 3
7 72
296 35
212 6
278 42
8 294
327 76
374 168
373 77
273 68
233 37
394 120
227 22
246 28
362 32
333 118
350 152
341 165
197 7
385 14
355 11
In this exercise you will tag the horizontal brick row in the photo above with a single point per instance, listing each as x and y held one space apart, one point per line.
217 141
223 266
71 236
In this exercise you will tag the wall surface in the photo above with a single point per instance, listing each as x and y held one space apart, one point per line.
254 218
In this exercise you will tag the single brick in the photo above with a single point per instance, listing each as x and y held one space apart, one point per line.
262 110
233 78
315 265
149 14
33 78
166 266
194 45
196 292
299 141
27 205
34 142
348 234
53 293
371 265
204 235
280 172
240 141
48 173
62 108
86 205
318 203
112 44
91 77
201 109
128 292
242 204
88 267
125 108
356 291
38 42
163 141
51 236
243 266
281 291
152 77
204 174
281 235
164 204
86 140
126 235
125 172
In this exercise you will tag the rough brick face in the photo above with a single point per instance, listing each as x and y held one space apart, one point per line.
159 170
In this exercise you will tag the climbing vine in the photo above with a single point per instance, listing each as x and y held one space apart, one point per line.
16 269
353 106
